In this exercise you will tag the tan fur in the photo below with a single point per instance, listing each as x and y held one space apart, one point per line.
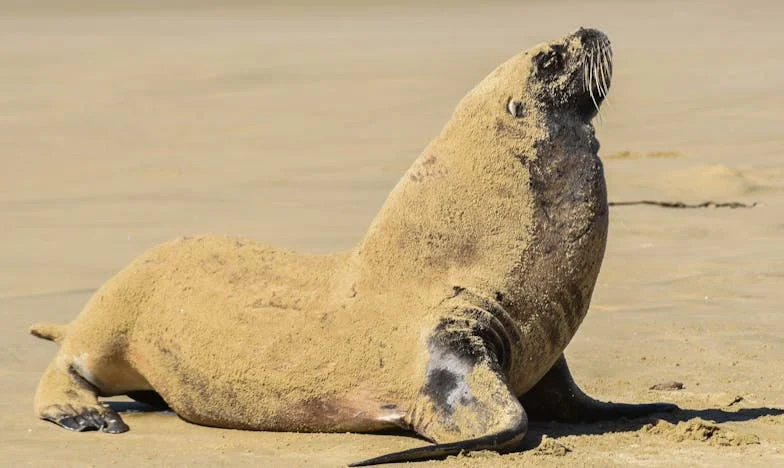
235 333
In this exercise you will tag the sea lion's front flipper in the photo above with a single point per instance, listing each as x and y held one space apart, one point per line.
556 397
466 404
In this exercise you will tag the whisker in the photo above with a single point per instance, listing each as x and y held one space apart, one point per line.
608 57
600 62
595 68
602 72
598 76
606 81
590 82
606 51
586 82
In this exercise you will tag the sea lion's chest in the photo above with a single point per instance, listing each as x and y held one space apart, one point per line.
559 270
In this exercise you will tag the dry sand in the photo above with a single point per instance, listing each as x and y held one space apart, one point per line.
123 127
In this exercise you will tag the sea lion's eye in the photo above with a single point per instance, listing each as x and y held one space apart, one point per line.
550 61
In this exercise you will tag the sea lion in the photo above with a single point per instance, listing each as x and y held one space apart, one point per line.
448 319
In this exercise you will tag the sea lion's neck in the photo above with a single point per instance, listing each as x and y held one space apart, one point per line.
569 220
459 212
568 130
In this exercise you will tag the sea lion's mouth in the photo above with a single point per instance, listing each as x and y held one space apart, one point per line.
597 67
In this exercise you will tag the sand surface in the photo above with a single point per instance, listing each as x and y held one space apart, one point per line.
125 126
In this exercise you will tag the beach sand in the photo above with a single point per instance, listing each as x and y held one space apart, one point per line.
125 124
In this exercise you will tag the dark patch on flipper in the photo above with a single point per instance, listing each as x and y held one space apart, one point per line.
114 424
87 419
458 344
149 398
442 386
556 397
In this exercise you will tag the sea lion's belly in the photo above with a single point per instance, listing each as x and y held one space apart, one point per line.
270 370
249 369
226 329
234 334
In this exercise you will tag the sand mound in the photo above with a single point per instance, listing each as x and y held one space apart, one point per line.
708 182
638 155
668 386
699 430
550 447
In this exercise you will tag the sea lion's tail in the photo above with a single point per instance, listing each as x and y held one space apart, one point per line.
48 331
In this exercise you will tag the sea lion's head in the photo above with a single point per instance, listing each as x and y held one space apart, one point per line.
567 78
571 74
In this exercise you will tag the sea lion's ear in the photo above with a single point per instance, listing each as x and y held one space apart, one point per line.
515 108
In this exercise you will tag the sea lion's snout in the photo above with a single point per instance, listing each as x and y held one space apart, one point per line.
571 74
597 66
589 35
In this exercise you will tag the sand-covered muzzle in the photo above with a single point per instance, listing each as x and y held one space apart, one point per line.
571 74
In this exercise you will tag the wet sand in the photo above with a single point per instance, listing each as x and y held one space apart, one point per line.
125 126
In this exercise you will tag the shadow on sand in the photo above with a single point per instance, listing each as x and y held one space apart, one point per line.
538 429
135 407
554 430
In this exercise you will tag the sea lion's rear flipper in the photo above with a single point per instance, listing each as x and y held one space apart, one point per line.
67 399
556 397
466 404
